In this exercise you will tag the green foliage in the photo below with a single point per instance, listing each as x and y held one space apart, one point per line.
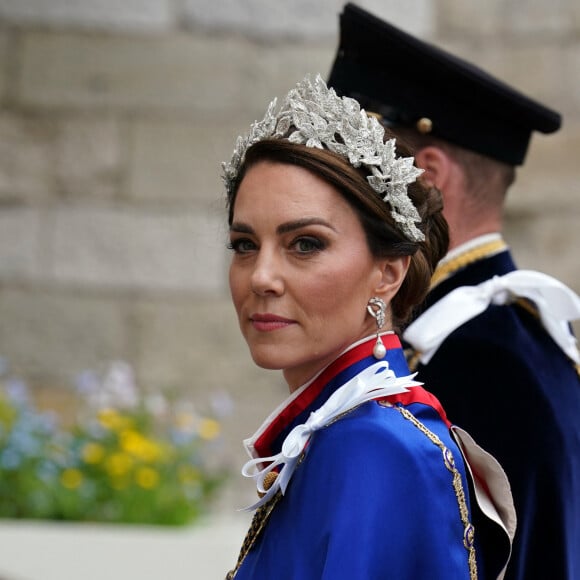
125 458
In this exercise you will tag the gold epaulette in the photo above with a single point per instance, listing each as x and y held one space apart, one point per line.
412 357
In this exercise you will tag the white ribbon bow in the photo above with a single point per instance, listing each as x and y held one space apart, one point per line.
556 303
376 381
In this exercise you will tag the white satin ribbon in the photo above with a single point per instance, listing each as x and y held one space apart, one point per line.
376 381
556 303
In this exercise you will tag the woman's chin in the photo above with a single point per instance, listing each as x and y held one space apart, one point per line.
267 362
271 357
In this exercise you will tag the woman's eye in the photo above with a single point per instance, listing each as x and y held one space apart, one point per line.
308 245
242 246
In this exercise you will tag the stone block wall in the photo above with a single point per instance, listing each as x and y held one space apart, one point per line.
114 117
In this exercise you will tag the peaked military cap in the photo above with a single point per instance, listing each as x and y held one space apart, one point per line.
408 82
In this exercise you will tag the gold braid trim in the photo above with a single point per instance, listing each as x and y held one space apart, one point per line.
485 250
259 522
449 461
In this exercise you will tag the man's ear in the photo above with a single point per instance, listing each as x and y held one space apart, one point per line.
437 165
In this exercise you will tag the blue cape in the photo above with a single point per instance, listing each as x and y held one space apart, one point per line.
372 498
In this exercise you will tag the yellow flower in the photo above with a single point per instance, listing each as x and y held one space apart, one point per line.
7 412
93 453
118 464
208 429
111 419
139 446
71 478
147 478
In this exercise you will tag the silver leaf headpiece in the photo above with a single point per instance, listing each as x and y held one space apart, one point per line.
314 115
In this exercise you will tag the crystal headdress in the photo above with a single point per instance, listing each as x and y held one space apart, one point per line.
314 115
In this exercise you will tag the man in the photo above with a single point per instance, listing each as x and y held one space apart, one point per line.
493 343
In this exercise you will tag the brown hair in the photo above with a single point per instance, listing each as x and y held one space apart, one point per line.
383 236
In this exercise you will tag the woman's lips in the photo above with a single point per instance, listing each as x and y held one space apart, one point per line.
269 322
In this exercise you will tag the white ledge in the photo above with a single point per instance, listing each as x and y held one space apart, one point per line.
69 551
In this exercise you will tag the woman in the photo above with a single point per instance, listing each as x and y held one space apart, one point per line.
334 242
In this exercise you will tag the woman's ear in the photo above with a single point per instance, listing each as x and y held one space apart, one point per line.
437 166
392 274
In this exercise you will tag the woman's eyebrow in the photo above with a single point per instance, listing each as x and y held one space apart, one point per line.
242 228
297 224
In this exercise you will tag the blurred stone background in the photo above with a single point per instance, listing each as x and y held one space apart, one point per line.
114 118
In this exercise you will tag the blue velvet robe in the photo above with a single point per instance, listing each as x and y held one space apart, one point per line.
501 377
372 498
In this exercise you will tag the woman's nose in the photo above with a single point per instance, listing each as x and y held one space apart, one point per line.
267 275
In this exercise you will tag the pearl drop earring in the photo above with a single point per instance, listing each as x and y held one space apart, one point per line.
376 308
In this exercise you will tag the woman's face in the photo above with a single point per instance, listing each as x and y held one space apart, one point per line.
302 273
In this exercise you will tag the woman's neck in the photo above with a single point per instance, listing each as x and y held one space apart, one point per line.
300 378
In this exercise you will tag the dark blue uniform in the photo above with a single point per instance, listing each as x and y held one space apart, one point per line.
502 378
